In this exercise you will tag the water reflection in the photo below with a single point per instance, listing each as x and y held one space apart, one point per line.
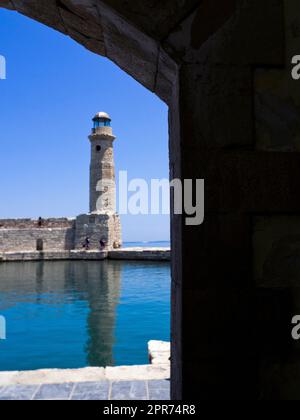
74 314
87 289
102 316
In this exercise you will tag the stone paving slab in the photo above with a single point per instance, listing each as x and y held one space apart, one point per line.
126 390
54 392
95 391
102 390
18 392
159 390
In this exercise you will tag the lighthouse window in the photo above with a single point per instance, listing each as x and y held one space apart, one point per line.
98 148
103 123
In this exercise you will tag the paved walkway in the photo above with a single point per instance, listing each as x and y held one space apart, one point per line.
102 390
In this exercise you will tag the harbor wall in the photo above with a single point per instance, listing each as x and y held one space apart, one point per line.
59 234
31 235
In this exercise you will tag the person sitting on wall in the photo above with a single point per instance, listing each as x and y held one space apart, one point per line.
86 244
40 222
102 244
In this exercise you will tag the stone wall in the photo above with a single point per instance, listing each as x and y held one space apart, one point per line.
95 227
31 223
17 235
115 229
27 239
98 227
24 234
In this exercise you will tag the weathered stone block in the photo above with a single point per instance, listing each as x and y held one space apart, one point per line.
217 110
232 33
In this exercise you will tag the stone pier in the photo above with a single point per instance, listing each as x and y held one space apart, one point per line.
129 254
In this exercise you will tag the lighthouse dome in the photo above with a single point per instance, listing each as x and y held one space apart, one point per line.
101 119
102 115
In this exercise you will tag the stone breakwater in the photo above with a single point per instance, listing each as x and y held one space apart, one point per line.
144 254
60 234
133 254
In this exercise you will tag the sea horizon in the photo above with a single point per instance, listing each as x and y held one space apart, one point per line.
148 244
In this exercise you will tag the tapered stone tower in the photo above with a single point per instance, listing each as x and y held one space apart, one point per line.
102 169
102 223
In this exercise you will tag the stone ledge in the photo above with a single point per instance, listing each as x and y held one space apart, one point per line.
140 372
90 374
144 254
53 255
51 376
159 352
135 254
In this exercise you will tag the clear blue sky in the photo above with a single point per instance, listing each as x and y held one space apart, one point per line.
53 88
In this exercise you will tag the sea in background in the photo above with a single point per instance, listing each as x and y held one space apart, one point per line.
157 244
72 314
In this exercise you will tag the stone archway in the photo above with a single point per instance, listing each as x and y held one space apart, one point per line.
98 27
102 30
201 58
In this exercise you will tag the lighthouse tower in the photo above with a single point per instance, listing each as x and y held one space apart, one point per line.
102 224
102 168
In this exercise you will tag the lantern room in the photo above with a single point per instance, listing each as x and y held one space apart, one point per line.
102 119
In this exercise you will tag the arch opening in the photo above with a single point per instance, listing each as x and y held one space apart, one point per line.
151 76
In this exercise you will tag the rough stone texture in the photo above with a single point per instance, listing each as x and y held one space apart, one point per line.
150 254
26 239
159 352
234 33
34 224
23 235
93 226
54 256
97 26
85 375
115 231
167 14
98 227
140 372
277 100
102 172
52 376
60 234
200 57
134 254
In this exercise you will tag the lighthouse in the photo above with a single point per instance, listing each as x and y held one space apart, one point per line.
102 166
102 225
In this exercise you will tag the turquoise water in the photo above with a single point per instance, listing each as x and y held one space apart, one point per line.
71 314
